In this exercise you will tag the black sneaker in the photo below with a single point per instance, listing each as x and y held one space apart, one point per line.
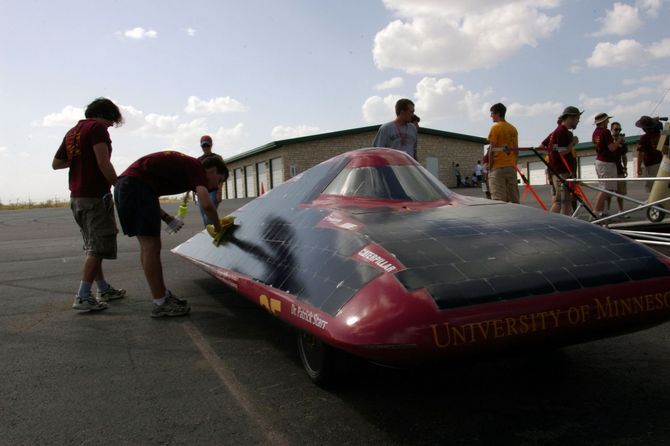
172 306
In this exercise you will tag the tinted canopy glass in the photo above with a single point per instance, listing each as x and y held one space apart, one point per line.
406 183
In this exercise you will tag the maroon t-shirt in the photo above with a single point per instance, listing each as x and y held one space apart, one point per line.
557 141
169 172
647 148
85 177
602 138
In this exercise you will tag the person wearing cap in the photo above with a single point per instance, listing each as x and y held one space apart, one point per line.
503 182
562 159
607 153
215 194
647 152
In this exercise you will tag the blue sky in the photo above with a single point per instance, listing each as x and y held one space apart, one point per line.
256 71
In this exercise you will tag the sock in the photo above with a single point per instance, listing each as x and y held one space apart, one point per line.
102 284
160 301
84 289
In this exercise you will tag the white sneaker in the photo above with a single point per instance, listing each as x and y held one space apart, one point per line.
88 303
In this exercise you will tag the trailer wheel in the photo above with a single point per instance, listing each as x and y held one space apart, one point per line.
318 359
654 215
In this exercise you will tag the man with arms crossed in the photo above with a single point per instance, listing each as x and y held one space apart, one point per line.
140 214
86 150
607 154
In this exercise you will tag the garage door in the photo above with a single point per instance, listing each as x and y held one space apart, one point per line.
537 173
587 168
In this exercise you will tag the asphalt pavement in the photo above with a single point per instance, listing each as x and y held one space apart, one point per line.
229 373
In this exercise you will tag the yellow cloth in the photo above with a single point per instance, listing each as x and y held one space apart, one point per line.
504 134
226 223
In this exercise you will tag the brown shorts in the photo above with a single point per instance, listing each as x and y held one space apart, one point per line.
96 220
504 185
562 194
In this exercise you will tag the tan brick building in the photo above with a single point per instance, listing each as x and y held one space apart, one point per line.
267 166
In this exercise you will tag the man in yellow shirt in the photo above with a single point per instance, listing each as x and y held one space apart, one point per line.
502 163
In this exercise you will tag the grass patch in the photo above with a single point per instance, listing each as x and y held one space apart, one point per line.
58 203
55 203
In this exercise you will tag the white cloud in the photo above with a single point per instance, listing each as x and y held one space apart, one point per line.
138 33
614 100
190 31
377 109
627 52
621 20
660 49
533 110
395 82
214 105
280 132
68 116
624 52
650 7
24 154
434 36
439 99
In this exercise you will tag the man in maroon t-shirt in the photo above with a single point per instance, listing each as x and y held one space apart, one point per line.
647 152
86 150
136 195
607 154
560 144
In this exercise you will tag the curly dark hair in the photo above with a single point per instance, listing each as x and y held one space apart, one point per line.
105 109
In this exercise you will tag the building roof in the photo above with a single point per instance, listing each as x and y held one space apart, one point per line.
588 145
372 128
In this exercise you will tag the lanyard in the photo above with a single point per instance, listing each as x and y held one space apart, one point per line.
402 135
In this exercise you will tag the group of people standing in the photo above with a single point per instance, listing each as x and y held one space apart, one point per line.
499 168
86 151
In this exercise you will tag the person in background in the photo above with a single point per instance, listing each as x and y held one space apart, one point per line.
503 182
137 200
399 134
647 152
561 158
216 195
457 174
607 153
621 170
86 151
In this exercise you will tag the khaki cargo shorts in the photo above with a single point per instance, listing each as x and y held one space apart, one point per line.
96 220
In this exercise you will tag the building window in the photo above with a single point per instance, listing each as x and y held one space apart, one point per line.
250 176
276 172
261 178
292 170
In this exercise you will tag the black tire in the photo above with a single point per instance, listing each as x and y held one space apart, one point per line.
654 215
318 359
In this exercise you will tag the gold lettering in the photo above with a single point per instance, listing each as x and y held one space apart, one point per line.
666 299
511 326
485 333
460 335
436 338
555 314
639 307
498 327
649 300
658 297
573 315
585 312
603 311
524 325
625 307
